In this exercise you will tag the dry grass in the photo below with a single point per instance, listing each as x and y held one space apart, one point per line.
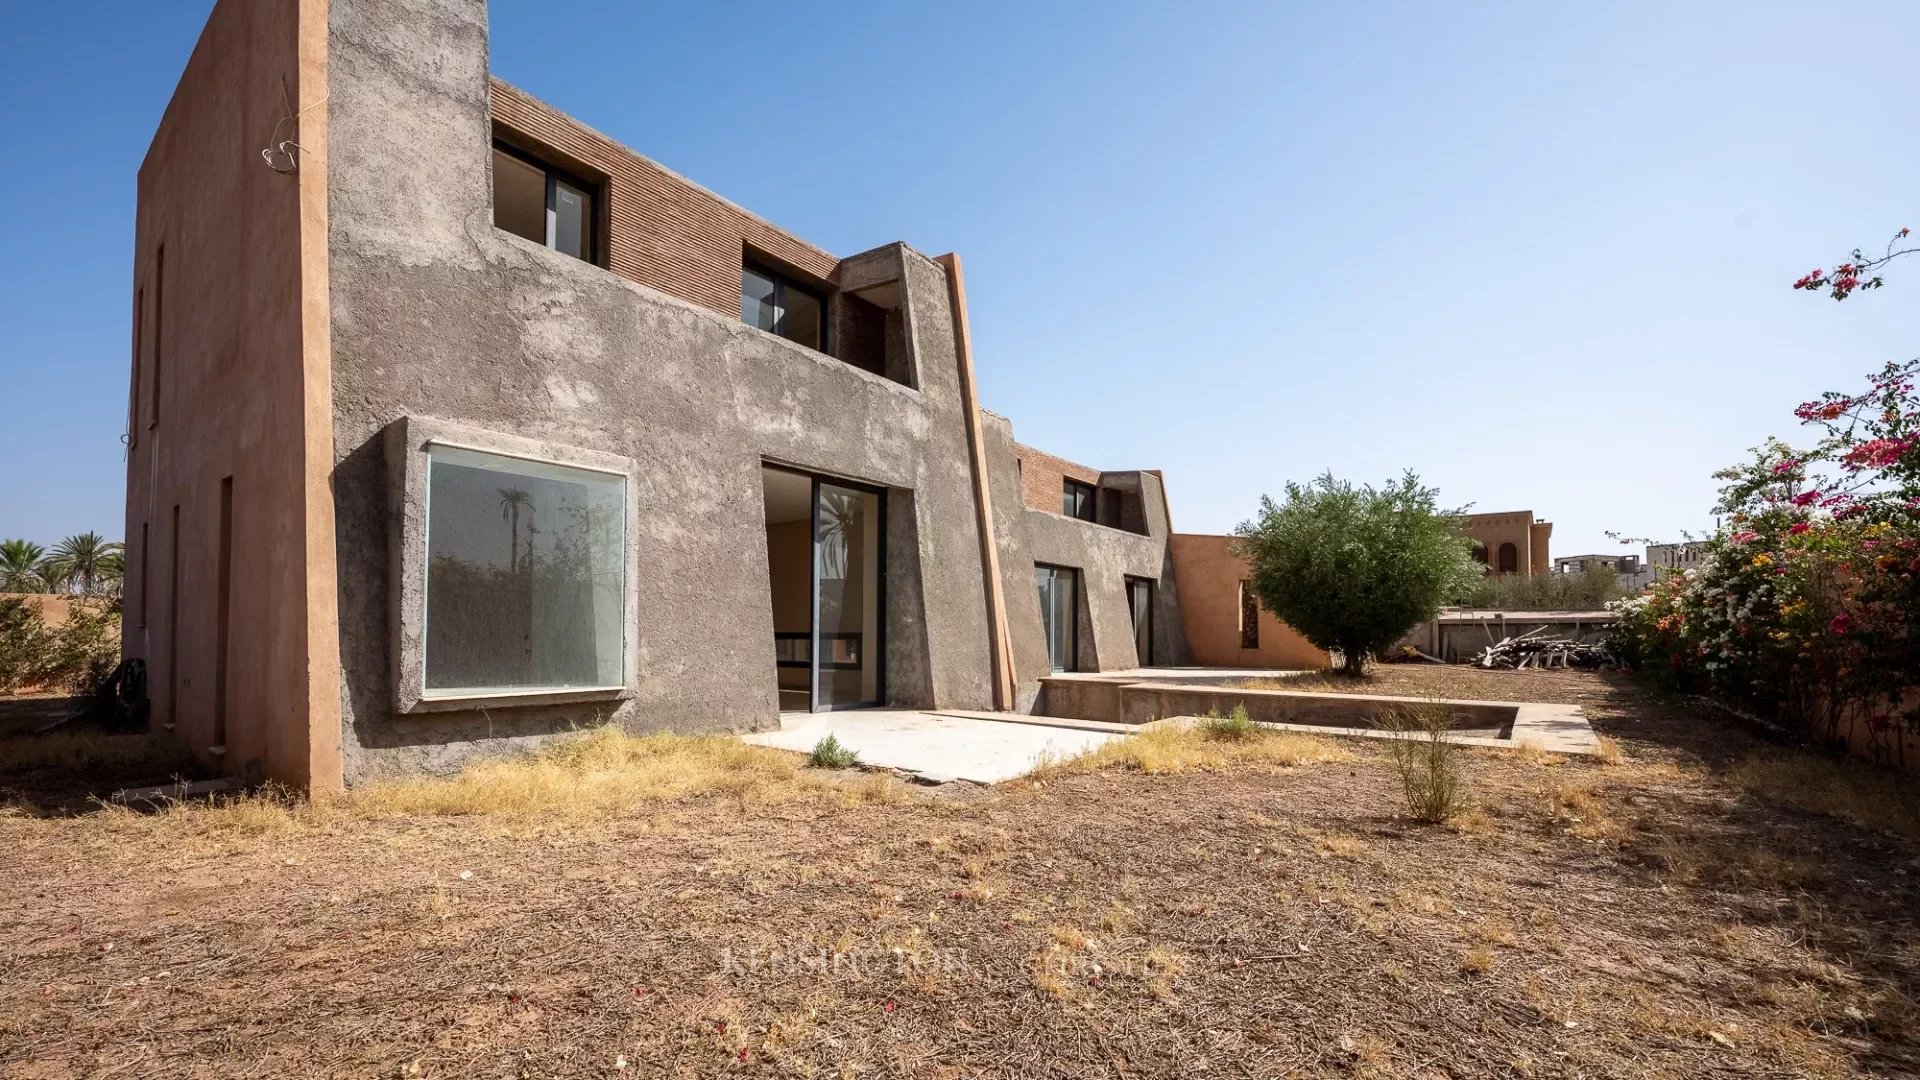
1867 796
1252 919
1169 750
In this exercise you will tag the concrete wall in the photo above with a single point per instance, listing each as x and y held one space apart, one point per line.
1105 558
436 313
229 381
1210 576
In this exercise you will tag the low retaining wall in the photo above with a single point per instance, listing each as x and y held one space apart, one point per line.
1458 636
1144 702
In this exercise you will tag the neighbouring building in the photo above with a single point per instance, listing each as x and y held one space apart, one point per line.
1512 542
1676 557
454 424
1633 574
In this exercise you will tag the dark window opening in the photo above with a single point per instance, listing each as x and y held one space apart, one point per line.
1509 559
133 395
779 305
1249 617
1078 499
224 613
540 203
159 335
144 563
1140 606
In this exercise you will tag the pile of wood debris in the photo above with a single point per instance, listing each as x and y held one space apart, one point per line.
1528 651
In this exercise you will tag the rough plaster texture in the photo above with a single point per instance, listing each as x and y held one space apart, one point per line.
436 313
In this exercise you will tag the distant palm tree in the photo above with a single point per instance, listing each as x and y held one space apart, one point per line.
511 500
22 565
87 562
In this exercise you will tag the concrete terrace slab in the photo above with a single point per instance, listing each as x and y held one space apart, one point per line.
937 747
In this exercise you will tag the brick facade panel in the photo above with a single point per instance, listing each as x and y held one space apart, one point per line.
1042 477
664 232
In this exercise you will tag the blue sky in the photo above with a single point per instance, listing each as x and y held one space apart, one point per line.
1538 253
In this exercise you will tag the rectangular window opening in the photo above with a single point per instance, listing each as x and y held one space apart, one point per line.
1249 617
224 614
548 206
133 393
779 305
144 563
173 622
159 336
1079 500
526 576
1140 606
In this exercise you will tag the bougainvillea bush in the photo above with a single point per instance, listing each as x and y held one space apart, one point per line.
1807 605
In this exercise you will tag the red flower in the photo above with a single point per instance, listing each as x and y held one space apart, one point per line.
1841 623
1797 528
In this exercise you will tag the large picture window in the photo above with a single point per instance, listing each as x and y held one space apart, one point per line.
525 576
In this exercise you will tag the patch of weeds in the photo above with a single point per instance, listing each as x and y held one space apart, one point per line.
1476 961
831 753
1607 751
1233 727
1432 777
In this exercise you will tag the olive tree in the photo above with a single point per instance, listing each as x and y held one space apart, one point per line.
1353 569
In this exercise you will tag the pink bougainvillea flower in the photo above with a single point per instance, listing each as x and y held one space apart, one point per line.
1841 623
1786 466
1744 536
1806 498
1797 528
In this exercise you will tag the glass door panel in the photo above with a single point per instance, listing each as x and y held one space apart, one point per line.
848 526
1059 604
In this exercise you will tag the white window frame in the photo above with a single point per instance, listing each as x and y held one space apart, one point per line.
409 445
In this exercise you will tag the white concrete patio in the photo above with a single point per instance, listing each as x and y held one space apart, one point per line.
940 747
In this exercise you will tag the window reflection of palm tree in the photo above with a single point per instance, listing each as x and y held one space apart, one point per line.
511 500
838 513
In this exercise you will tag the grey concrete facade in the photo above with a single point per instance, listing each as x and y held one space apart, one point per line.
439 325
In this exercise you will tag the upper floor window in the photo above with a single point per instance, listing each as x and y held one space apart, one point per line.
543 204
1077 499
782 306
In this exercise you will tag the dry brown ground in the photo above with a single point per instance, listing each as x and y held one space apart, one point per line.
1654 917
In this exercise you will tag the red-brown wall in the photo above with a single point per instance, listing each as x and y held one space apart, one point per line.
229 381
1042 476
1210 574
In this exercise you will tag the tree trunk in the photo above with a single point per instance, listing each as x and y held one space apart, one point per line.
1353 663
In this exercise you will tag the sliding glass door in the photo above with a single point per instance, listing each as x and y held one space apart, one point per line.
849 526
1059 608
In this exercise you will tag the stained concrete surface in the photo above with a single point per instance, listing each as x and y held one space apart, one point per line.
937 747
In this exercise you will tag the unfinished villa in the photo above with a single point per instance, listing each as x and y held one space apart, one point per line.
455 425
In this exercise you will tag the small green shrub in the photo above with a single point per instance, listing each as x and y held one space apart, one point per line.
831 753
1431 775
1233 727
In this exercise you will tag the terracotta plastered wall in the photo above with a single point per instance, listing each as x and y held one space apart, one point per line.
1210 575
662 231
225 399
1042 476
1512 527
